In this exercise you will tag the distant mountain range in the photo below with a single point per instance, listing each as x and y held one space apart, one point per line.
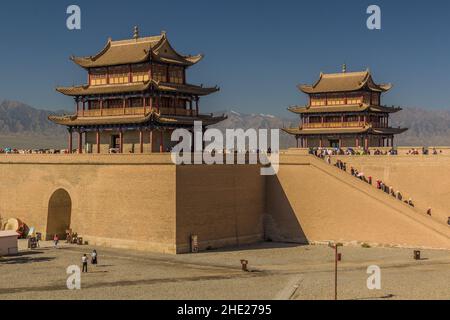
22 126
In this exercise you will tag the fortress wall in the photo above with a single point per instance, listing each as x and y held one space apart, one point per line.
426 179
311 201
223 205
116 200
135 201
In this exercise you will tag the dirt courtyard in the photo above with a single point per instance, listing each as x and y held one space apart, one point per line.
277 271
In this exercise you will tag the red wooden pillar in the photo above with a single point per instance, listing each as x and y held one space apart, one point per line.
366 142
80 142
161 142
321 142
151 141
196 106
174 105
98 141
84 107
124 104
130 74
101 107
306 142
120 141
141 141
77 101
144 103
357 141
70 141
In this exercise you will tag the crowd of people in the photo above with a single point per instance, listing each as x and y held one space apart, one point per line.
424 151
323 152
30 151
380 185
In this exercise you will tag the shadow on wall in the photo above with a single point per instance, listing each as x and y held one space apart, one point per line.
280 222
59 214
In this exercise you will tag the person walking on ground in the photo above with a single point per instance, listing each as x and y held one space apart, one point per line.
84 260
56 240
94 255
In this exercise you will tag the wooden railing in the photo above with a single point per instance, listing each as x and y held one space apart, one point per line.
178 112
334 125
134 112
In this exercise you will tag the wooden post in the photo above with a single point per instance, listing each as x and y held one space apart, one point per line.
174 105
121 141
80 142
144 103
98 141
196 106
141 140
151 141
77 101
130 75
124 104
101 106
70 141
161 142
298 143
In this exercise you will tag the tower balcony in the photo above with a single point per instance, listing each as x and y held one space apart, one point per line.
135 111
356 124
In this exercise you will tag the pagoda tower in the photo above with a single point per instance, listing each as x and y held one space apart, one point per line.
136 95
344 110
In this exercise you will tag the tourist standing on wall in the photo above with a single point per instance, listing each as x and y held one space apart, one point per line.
84 260
56 240
94 257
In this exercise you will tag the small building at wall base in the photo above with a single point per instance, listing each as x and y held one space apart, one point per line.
8 243
137 94
344 110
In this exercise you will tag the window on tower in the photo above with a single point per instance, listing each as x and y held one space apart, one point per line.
141 72
159 72
119 75
98 76
176 75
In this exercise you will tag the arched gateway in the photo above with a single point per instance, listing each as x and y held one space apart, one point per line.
59 214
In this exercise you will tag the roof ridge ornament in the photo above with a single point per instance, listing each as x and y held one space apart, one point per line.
136 33
344 68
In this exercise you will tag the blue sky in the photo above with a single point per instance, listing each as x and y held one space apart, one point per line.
257 51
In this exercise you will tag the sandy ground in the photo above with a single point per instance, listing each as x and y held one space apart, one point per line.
278 271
